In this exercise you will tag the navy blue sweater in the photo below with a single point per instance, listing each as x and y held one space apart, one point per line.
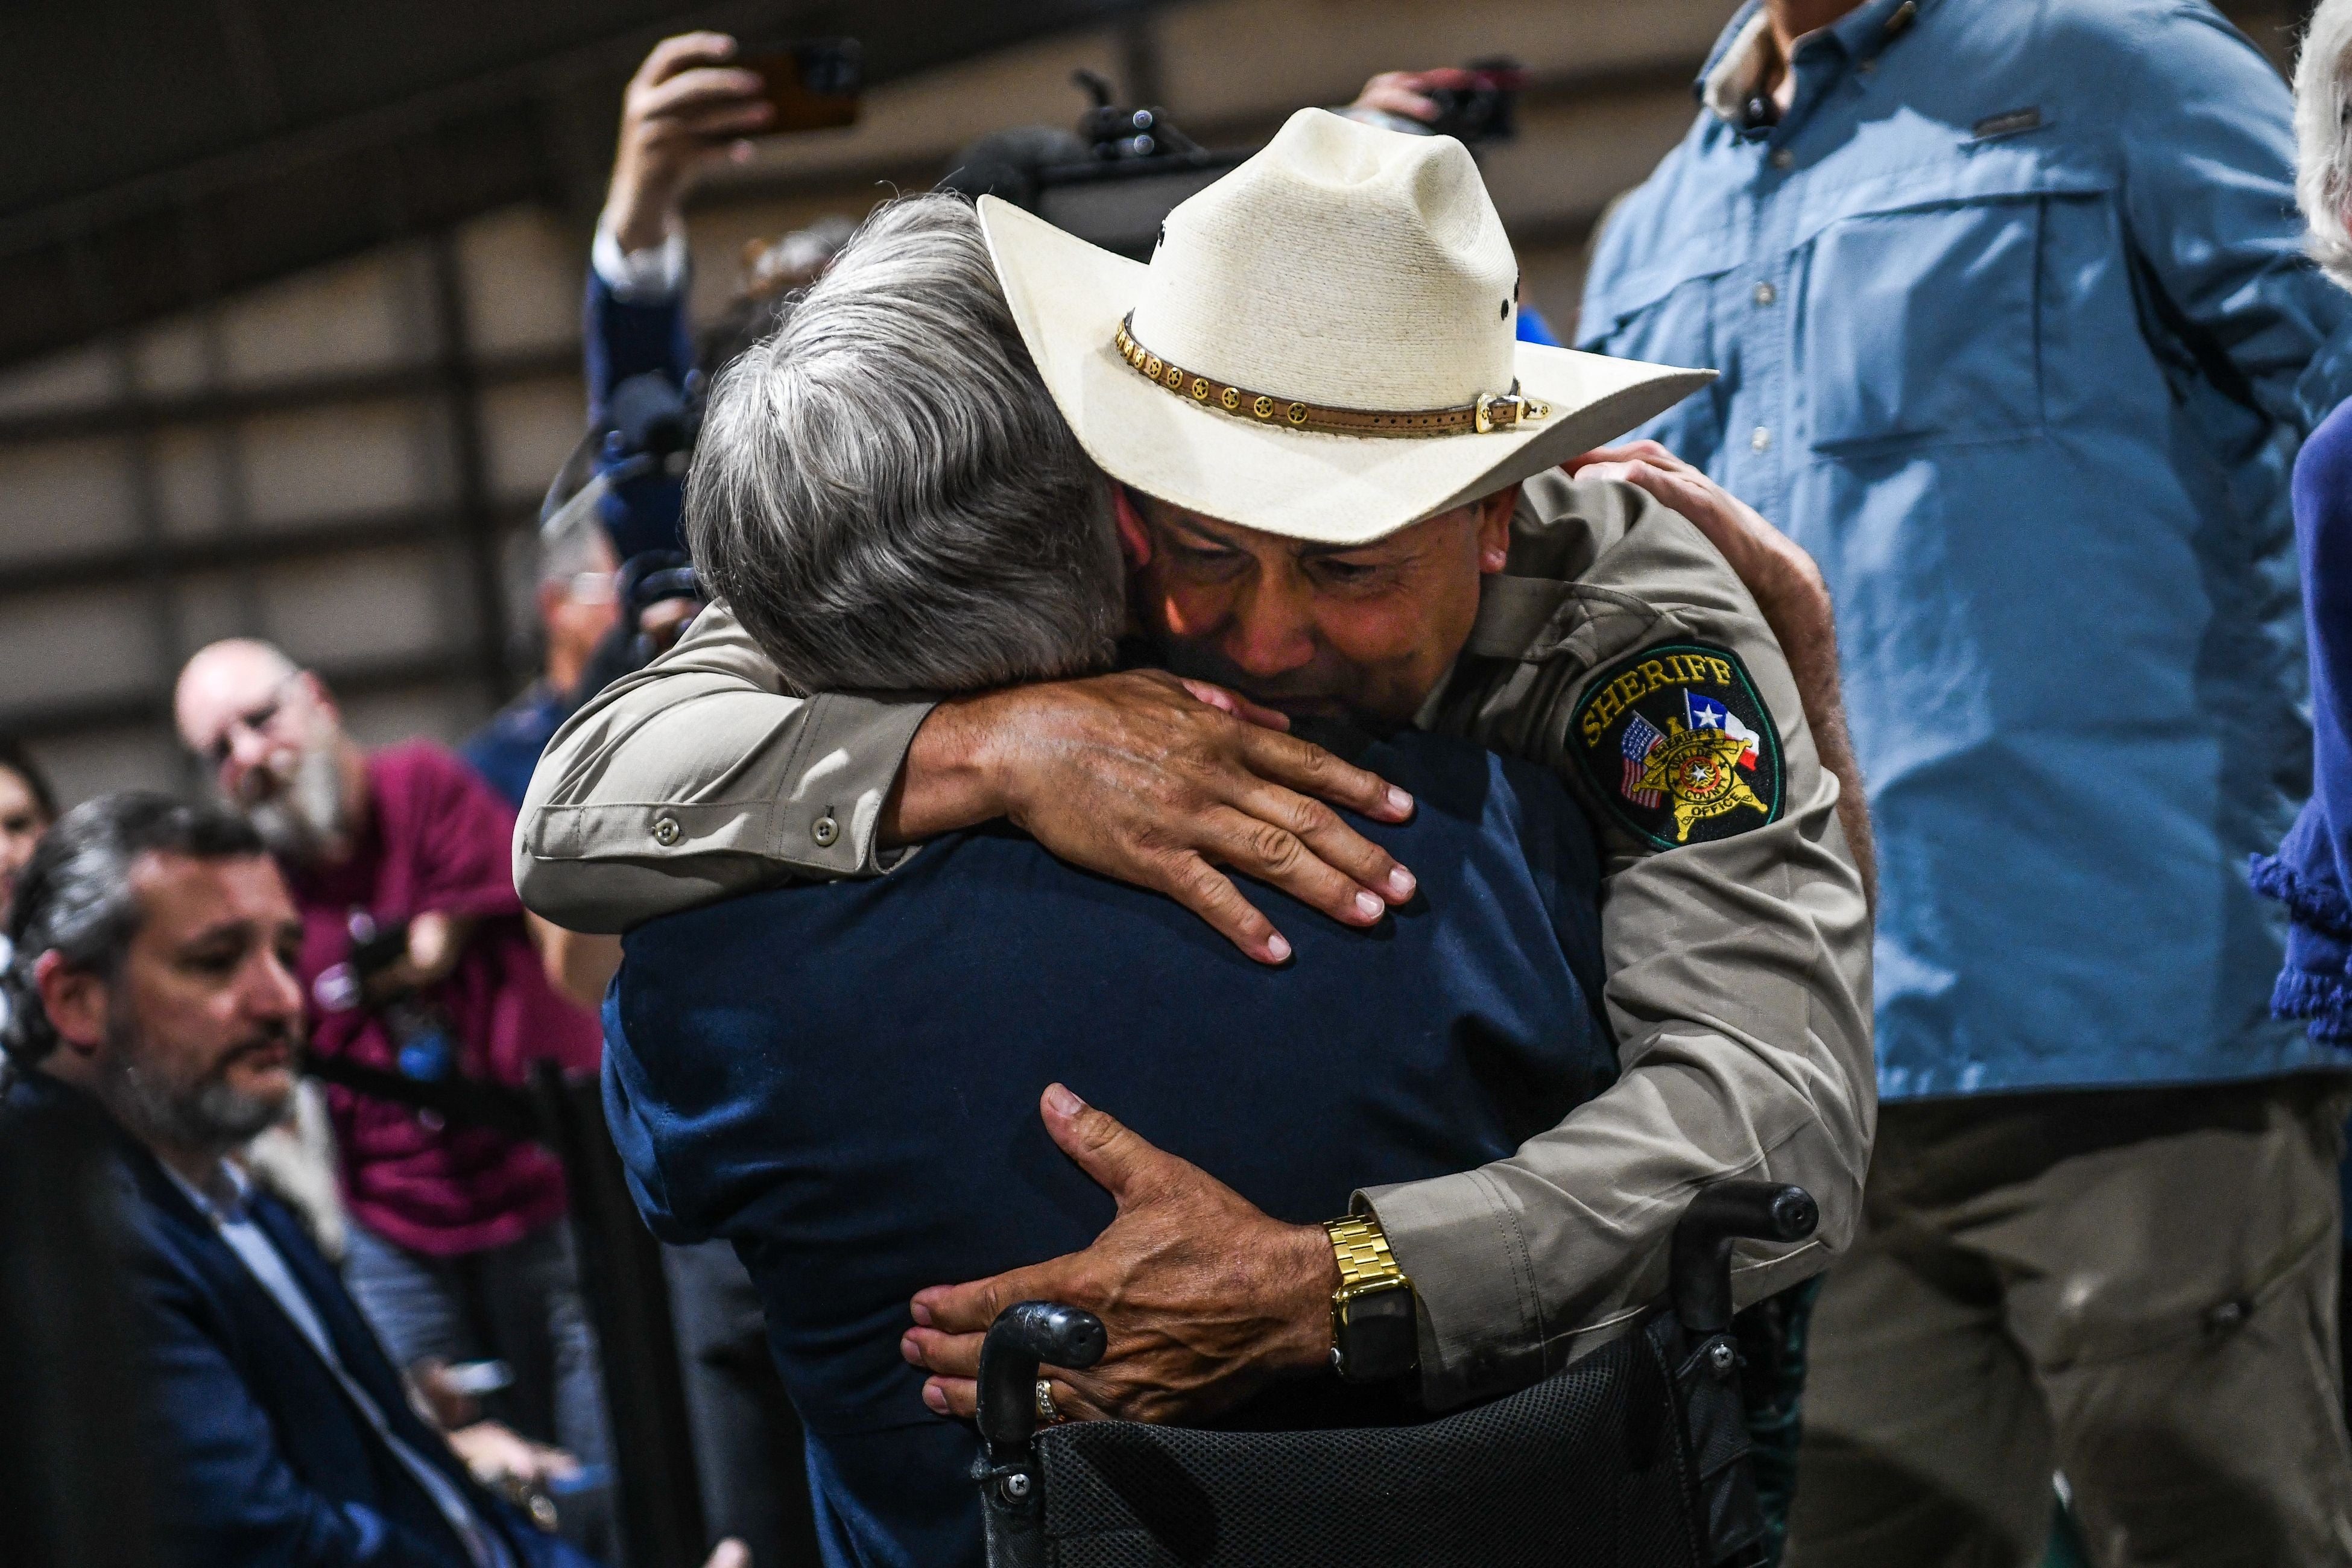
842 1080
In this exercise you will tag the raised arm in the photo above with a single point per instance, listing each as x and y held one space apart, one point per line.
699 777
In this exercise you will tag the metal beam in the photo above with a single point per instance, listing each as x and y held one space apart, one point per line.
177 557
473 528
301 394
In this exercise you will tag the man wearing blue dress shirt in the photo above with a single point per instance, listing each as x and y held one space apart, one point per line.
2018 340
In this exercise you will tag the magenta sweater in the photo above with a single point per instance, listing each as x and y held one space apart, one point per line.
438 838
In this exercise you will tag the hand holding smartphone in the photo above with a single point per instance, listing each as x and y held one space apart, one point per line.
811 86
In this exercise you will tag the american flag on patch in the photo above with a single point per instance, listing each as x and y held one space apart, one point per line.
1642 738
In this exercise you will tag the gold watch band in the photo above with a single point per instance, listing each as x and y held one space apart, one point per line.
1365 1261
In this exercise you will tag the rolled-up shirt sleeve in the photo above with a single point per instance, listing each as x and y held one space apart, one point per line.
1739 987
701 776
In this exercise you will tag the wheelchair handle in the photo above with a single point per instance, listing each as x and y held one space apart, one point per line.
1698 1275
1023 1335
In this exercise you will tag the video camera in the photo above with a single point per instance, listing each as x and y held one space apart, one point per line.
427 1076
1111 184
1115 181
650 425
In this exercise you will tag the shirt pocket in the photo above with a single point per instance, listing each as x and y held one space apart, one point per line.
1920 319
1667 318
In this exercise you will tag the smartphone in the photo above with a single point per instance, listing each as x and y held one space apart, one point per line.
811 85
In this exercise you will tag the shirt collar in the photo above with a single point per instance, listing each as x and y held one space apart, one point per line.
1735 69
1731 72
228 1202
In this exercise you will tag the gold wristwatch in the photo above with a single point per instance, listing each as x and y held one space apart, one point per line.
1375 1334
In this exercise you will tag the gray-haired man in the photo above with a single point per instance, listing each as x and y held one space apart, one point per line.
1546 620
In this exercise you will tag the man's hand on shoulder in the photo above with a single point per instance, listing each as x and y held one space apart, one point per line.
1206 1297
1785 580
1158 782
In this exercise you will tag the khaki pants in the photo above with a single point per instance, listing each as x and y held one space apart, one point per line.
2136 1288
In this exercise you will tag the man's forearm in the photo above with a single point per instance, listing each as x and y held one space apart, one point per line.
1530 1262
946 782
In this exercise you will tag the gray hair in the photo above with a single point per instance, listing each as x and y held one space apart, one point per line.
2322 135
75 897
884 490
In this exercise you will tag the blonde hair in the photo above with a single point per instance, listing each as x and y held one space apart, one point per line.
2322 135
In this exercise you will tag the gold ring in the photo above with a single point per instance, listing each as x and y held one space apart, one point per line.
1047 1412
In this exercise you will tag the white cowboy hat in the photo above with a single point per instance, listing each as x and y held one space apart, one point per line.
1322 346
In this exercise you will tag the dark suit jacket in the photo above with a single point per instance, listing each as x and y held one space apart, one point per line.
264 1460
842 1080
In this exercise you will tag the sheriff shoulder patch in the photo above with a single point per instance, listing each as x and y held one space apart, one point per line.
1678 742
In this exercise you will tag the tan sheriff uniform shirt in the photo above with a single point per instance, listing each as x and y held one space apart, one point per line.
1733 920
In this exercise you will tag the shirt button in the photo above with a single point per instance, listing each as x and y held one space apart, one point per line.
1761 441
1766 293
1783 159
667 831
825 831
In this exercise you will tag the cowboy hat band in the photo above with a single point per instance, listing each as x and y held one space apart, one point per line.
1490 412
1342 286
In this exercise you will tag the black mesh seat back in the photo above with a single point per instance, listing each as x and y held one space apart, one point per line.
1586 1470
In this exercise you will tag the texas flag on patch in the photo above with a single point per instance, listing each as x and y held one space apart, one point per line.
1706 713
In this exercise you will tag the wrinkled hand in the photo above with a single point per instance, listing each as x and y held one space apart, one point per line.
683 108
1206 1298
1784 579
1406 93
1159 782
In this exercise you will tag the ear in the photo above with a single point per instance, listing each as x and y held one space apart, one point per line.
321 697
76 1001
1134 534
1495 529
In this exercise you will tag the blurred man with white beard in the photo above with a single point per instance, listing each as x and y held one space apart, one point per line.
458 1249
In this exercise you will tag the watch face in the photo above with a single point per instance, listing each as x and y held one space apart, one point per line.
1379 1338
